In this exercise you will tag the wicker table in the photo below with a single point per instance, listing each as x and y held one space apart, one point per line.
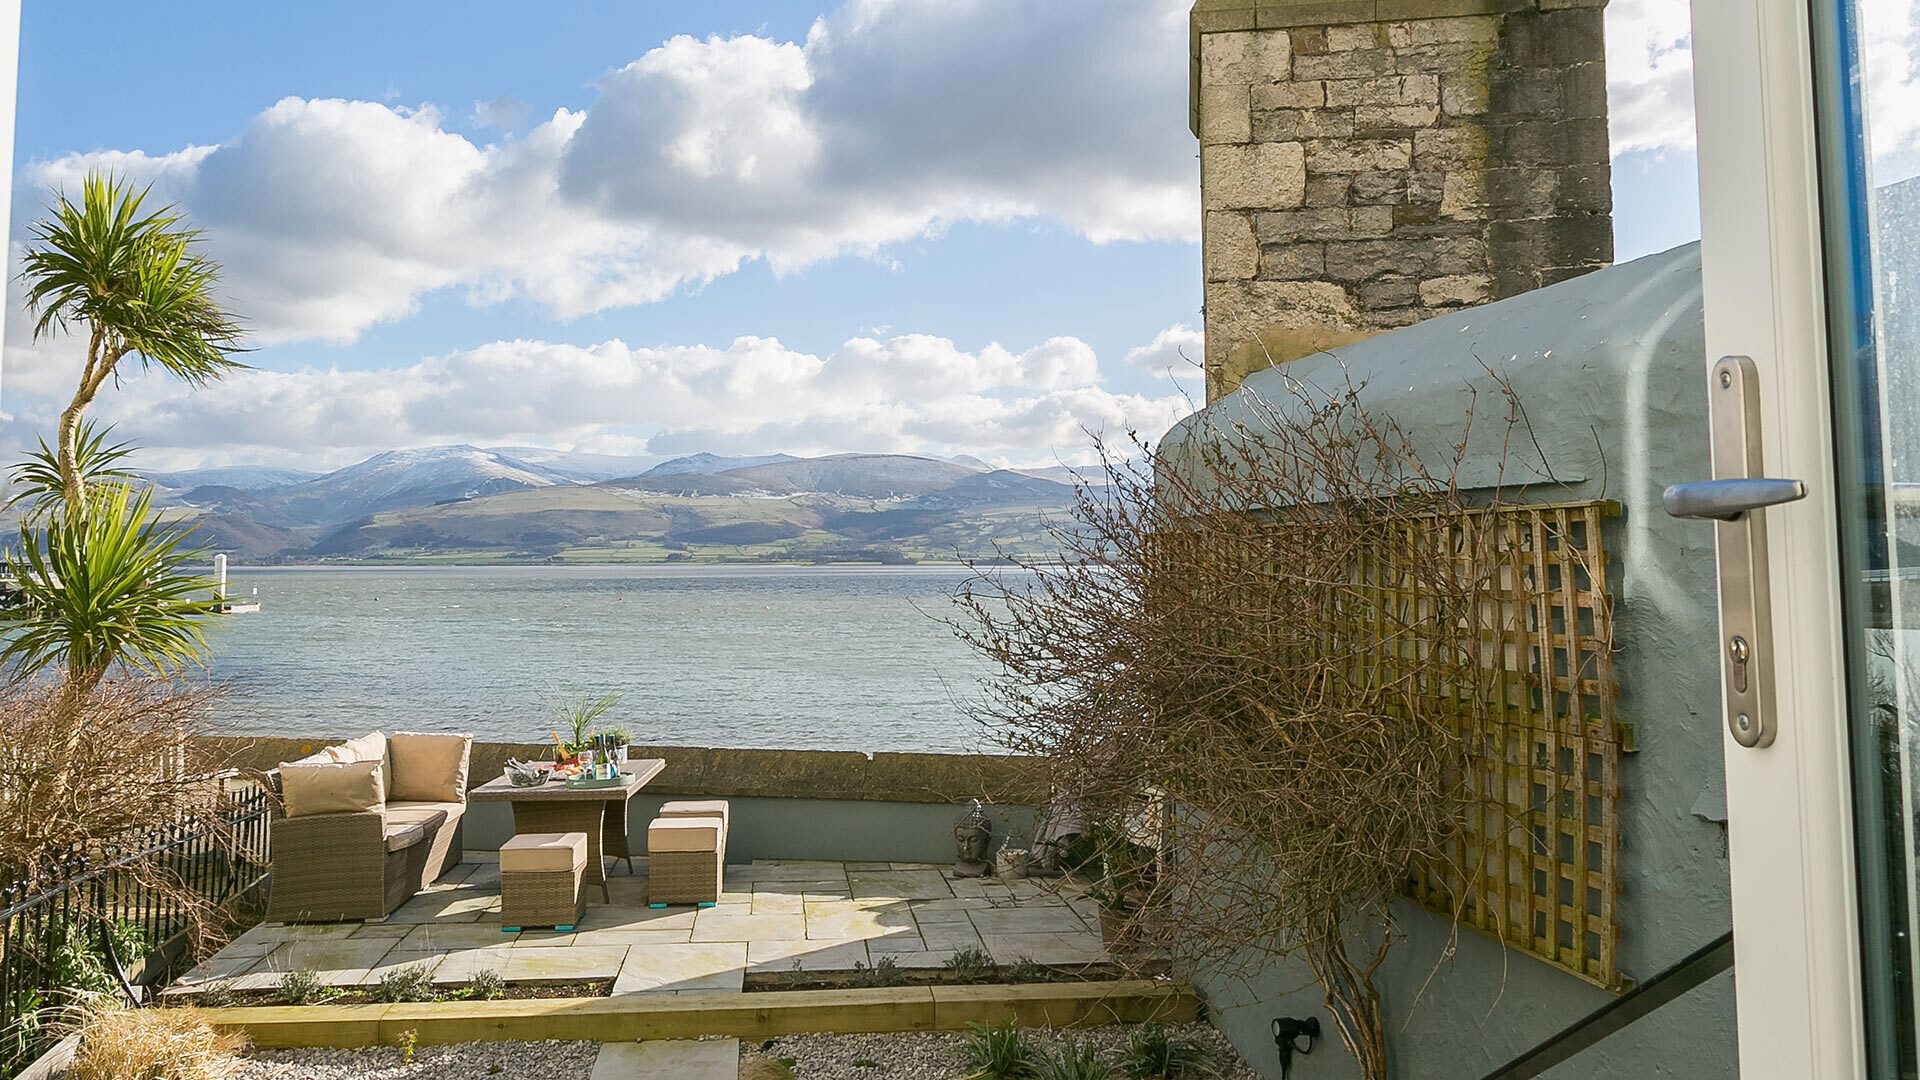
600 812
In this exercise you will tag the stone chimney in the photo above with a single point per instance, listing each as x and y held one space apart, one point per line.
1366 164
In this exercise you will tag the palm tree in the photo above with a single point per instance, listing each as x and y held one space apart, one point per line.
39 489
136 283
112 586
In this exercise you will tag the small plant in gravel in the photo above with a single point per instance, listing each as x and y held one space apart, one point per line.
488 984
409 1044
303 987
884 972
410 982
865 1063
999 1052
970 965
1154 1053
1073 1061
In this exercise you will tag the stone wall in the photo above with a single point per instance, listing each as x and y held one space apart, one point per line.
1366 164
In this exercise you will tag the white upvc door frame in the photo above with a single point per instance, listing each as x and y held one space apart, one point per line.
1790 826
9 97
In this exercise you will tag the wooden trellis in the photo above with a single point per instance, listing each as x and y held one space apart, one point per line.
1535 863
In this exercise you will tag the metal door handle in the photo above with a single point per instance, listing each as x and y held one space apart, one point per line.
1733 499
1726 500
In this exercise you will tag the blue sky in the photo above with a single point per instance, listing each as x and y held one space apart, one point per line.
902 225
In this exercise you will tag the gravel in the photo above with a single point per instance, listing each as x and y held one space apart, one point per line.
462 1061
937 1055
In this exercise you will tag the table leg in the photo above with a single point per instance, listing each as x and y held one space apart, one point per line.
558 816
614 833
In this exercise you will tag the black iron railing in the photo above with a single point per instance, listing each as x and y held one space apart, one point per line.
103 921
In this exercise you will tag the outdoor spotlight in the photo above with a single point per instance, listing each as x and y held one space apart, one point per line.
1287 1033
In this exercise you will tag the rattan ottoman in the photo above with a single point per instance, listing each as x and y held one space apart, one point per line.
684 856
540 880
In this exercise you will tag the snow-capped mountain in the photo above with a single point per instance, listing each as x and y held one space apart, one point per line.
404 478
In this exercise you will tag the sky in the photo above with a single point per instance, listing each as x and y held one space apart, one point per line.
917 226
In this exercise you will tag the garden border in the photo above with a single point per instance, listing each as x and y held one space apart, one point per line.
695 1013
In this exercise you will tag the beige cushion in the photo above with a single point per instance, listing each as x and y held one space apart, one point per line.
332 787
685 834
372 747
695 808
544 851
410 823
429 768
451 809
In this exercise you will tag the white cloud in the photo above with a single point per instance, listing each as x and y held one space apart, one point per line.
909 393
1173 353
1649 75
891 121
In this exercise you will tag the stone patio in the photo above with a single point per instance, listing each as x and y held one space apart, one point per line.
773 916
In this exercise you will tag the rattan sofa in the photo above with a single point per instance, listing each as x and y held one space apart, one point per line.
363 863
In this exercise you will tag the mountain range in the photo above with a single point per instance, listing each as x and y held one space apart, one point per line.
468 504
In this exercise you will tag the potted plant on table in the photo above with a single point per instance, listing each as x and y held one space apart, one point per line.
578 720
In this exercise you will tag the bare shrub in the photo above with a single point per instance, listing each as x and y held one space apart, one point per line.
118 1043
139 768
1253 666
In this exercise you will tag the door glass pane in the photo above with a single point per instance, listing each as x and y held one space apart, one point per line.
1865 86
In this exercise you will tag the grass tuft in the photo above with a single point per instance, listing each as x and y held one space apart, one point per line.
118 1043
999 1052
1152 1053
1073 1061
411 982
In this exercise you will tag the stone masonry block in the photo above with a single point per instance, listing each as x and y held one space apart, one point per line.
1445 149
1356 64
1365 259
1463 95
1554 38
1228 251
1388 291
1524 92
1225 114
1478 29
1392 119
1444 59
1358 155
1252 176
1463 195
1290 95
1292 125
1332 224
1584 187
1360 36
1457 289
1309 40
1293 262
1330 189
1583 91
1244 57
1569 142
1379 187
1386 90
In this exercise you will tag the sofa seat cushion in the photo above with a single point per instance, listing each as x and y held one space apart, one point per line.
407 825
686 834
429 767
370 747
543 851
331 787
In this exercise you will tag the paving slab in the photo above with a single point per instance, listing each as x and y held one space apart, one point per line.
778 956
430 938
460 966
717 924
703 965
905 884
633 937
336 961
836 920
950 936
213 971
636 917
669 1059
1055 919
568 964
1046 948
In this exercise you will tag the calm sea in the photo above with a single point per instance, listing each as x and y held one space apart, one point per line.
834 658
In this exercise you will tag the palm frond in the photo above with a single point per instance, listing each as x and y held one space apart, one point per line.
110 586
135 278
36 483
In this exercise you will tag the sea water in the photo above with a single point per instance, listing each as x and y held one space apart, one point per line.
850 658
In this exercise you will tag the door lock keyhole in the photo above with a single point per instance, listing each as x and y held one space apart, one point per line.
1738 653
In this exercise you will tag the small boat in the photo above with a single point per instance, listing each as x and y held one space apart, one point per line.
231 607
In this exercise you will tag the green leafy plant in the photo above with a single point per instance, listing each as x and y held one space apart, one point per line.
1154 1053
38 488
972 964
884 972
580 716
302 986
410 982
111 587
488 984
132 281
1073 1061
1025 970
998 1052
409 1044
